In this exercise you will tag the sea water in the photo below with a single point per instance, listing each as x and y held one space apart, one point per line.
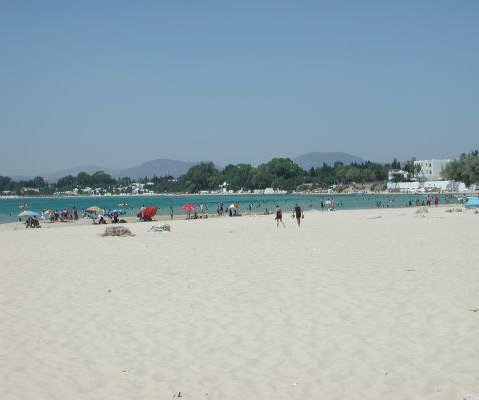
258 204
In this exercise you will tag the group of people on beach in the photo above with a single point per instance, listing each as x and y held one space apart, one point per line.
32 222
63 215
297 213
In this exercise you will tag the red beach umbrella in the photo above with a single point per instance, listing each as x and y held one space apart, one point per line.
148 212
188 207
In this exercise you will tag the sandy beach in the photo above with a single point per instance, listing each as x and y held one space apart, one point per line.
366 305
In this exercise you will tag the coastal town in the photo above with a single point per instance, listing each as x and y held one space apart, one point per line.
279 176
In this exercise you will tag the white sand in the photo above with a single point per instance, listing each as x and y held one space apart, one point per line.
348 307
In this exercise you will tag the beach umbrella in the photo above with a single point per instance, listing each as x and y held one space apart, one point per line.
95 209
233 205
28 214
148 212
47 212
472 202
188 207
117 212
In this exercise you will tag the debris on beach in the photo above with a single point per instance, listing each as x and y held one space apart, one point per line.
117 231
161 228
454 209
475 310
422 211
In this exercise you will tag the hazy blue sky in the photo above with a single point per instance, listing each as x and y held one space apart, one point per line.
116 83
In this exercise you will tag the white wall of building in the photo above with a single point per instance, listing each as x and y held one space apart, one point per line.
443 186
431 169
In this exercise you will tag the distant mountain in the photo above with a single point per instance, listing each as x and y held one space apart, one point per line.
306 161
53 177
175 168
159 167
18 177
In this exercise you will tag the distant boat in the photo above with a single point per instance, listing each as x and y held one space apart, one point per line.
122 204
472 202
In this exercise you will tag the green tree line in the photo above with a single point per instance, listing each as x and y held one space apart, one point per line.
278 173
465 169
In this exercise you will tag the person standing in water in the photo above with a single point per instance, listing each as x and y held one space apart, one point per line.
279 216
297 212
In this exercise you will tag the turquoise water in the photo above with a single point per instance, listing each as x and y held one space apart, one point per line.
10 208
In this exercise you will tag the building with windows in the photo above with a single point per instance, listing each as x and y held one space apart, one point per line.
431 170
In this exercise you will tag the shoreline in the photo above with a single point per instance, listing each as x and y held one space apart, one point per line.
258 203
164 218
382 193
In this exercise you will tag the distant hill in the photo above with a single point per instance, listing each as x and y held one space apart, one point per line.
53 177
162 167
159 167
316 159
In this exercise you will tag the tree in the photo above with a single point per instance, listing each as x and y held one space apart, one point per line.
101 179
262 177
395 164
39 182
237 176
353 174
83 179
203 176
280 173
466 169
6 184
165 184
66 183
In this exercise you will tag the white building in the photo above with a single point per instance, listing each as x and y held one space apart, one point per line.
431 170
428 186
397 172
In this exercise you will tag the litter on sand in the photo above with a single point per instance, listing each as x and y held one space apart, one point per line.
422 210
117 231
160 228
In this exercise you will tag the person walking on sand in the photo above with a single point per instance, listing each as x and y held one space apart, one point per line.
297 212
279 217
171 212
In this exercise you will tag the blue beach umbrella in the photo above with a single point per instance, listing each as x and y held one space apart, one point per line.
472 202
117 212
28 214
